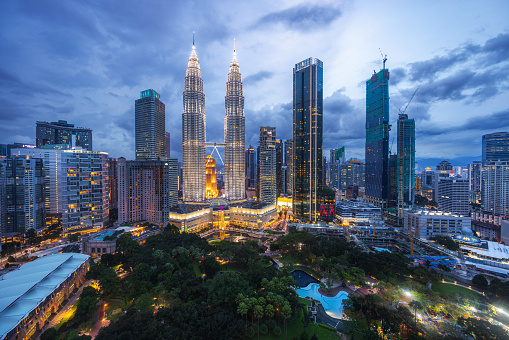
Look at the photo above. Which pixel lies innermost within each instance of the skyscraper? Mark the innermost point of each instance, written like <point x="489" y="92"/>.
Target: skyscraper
<point x="62" y="132"/>
<point x="167" y="144"/>
<point x="149" y="115"/>
<point x="336" y="160"/>
<point x="250" y="167"/>
<point x="193" y="132"/>
<point x="234" y="134"/>
<point x="377" y="138"/>
<point x="474" y="177"/>
<point x="495" y="147"/>
<point x="495" y="187"/>
<point x="266" y="182"/>
<point x="406" y="162"/>
<point x="307" y="138"/>
<point x="112" y="171"/>
<point x="279" y="168"/>
<point x="289" y="165"/>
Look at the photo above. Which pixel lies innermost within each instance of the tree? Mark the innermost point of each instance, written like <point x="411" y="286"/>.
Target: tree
<point x="243" y="309"/>
<point x="269" y="311"/>
<point x="49" y="334"/>
<point x="144" y="303"/>
<point x="286" y="312"/>
<point x="11" y="259"/>
<point x="480" y="281"/>
<point x="109" y="282"/>
<point x="415" y="305"/>
<point x="482" y="329"/>
<point x="258" y="314"/>
<point x="87" y="303"/>
<point x="210" y="266"/>
<point x="74" y="237"/>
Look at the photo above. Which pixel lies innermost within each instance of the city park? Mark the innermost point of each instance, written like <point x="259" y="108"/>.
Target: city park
<point x="302" y="286"/>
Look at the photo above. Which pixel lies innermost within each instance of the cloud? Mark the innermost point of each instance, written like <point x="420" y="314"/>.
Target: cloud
<point x="302" y="17"/>
<point x="257" y="77"/>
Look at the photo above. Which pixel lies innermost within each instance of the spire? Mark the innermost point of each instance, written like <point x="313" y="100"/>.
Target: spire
<point x="234" y="60"/>
<point x="193" y="40"/>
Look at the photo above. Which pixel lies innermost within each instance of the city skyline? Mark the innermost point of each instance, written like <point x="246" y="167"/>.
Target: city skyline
<point x="93" y="83"/>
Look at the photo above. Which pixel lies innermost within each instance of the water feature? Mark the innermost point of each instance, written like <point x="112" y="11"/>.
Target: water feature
<point x="102" y="236"/>
<point x="303" y="278"/>
<point x="333" y="306"/>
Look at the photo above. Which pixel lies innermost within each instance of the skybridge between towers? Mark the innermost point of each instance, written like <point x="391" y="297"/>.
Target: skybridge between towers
<point x="215" y="146"/>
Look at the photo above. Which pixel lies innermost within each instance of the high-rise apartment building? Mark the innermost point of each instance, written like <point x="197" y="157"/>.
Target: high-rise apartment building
<point x="250" y="167"/>
<point x="193" y="132"/>
<point x="266" y="183"/>
<point x="112" y="169"/>
<point x="279" y="167"/>
<point x="149" y="114"/>
<point x="474" y="176"/>
<point x="452" y="195"/>
<point x="377" y="138"/>
<point x="307" y="138"/>
<point x="234" y="134"/>
<point x="406" y="162"/>
<point x="495" y="147"/>
<point x="495" y="187"/>
<point x="147" y="190"/>
<point x="22" y="181"/>
<point x="62" y="132"/>
<point x="167" y="144"/>
<point x="211" y="177"/>
<point x="289" y="165"/>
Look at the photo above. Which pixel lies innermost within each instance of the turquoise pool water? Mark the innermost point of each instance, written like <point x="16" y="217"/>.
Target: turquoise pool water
<point x="102" y="236"/>
<point x="332" y="305"/>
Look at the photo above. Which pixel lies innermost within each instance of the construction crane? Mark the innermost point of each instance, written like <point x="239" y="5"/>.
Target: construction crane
<point x="413" y="235"/>
<point x="384" y="58"/>
<point x="406" y="106"/>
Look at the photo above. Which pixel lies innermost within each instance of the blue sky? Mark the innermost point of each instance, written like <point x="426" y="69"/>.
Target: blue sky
<point x="87" y="61"/>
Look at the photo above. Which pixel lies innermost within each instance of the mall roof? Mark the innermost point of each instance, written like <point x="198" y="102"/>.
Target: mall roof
<point x="495" y="250"/>
<point x="23" y="289"/>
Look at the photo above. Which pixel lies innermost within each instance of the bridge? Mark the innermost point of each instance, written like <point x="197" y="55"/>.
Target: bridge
<point x="251" y="233"/>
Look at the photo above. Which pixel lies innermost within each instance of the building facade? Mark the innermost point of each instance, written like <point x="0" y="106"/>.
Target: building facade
<point x="147" y="190"/>
<point x="250" y="167"/>
<point x="62" y="132"/>
<point x="475" y="179"/>
<point x="406" y="161"/>
<point x="112" y="169"/>
<point x="193" y="132"/>
<point x="495" y="147"/>
<point x="234" y="134"/>
<point x="266" y="183"/>
<point x="149" y="114"/>
<point x="289" y="166"/>
<point x="435" y="223"/>
<point x="495" y="187"/>
<point x="211" y="177"/>
<point x="167" y="145"/>
<point x="377" y="138"/>
<point x="307" y="138"/>
<point x="452" y="195"/>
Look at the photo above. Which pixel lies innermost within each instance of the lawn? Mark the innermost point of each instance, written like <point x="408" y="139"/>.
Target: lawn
<point x="446" y="288"/>
<point x="67" y="316"/>
<point x="196" y="268"/>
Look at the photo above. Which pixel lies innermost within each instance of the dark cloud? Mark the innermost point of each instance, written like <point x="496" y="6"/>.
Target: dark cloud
<point x="302" y="17"/>
<point x="259" y="76"/>
<point x="428" y="69"/>
<point x="397" y="75"/>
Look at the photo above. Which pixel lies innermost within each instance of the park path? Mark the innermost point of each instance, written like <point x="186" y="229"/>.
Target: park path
<point x="100" y="321"/>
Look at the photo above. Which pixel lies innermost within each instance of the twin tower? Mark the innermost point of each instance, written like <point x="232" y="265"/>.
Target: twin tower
<point x="194" y="133"/>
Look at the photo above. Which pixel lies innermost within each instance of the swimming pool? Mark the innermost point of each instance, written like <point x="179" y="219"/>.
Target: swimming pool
<point x="332" y="305"/>
<point x="102" y="236"/>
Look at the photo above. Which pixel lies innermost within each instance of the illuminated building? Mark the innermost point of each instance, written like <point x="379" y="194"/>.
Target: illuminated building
<point x="289" y="165"/>
<point x="279" y="168"/>
<point x="62" y="132"/>
<point x="147" y="190"/>
<point x="250" y="168"/>
<point x="440" y="223"/>
<point x="234" y="134"/>
<point x="149" y="136"/>
<point x="211" y="177"/>
<point x="474" y="176"/>
<point x="193" y="132"/>
<point x="495" y="147"/>
<point x="112" y="167"/>
<point x="307" y="138"/>
<point x="167" y="144"/>
<point x="406" y="162"/>
<point x="495" y="193"/>
<point x="377" y="138"/>
<point x="266" y="183"/>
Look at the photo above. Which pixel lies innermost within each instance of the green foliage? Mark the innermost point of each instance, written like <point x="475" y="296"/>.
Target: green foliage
<point x="482" y="329"/>
<point x="144" y="303"/>
<point x="11" y="259"/>
<point x="446" y="242"/>
<point x="49" y="334"/>
<point x="210" y="266"/>
<point x="480" y="281"/>
<point x="87" y="304"/>
<point x="109" y="282"/>
<point x="276" y="331"/>
<point x="74" y="237"/>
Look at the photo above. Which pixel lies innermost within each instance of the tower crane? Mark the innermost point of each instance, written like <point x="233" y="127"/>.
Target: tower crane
<point x="384" y="58"/>
<point x="413" y="235"/>
<point x="406" y="106"/>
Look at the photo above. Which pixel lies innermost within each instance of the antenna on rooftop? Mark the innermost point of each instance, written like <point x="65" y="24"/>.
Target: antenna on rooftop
<point x="384" y="58"/>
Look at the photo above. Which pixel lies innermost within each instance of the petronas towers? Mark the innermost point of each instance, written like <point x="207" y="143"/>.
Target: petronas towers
<point x="194" y="133"/>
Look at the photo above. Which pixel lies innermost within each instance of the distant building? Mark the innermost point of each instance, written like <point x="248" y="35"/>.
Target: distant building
<point x="167" y="144"/>
<point x="495" y="187"/>
<point x="62" y="132"/>
<point x="279" y="168"/>
<point x="452" y="195"/>
<point x="307" y="138"/>
<point x="112" y="170"/>
<point x="435" y="223"/>
<point x="266" y="182"/>
<point x="289" y="166"/>
<point x="147" y="190"/>
<point x="149" y="113"/>
<point x="211" y="177"/>
<point x="336" y="160"/>
<point x="250" y="160"/>
<point x="475" y="179"/>
<point x="22" y="182"/>
<point x="406" y="161"/>
<point x="495" y="147"/>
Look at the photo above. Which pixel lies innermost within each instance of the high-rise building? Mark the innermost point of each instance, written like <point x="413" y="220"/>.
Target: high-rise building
<point x="279" y="168"/>
<point x="167" y="144"/>
<point x="112" y="169"/>
<point x="495" y="187"/>
<point x="336" y="160"/>
<point x="495" y="147"/>
<point x="234" y="134"/>
<point x="211" y="177"/>
<point x="250" y="159"/>
<point x="307" y="138"/>
<point x="193" y="132"/>
<point x="149" y="113"/>
<point x="452" y="195"/>
<point x="406" y="162"/>
<point x="266" y="183"/>
<point x="377" y="138"/>
<point x="22" y="194"/>
<point x="392" y="200"/>
<point x="147" y="190"/>
<point x="474" y="176"/>
<point x="325" y="171"/>
<point x="62" y="132"/>
<point x="289" y="165"/>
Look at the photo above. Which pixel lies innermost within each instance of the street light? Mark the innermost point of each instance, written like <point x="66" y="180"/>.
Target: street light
<point x="407" y="293"/>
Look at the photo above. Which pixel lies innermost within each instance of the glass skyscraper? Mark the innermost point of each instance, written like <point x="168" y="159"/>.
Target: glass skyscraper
<point x="307" y="138"/>
<point x="377" y="139"/>
<point x="62" y="132"/>
<point x="495" y="147"/>
<point x="149" y="132"/>
<point x="266" y="183"/>
<point x="406" y="161"/>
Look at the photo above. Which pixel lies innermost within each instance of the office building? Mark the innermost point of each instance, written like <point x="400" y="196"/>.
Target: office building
<point x="495" y="147"/>
<point x="377" y="138"/>
<point x="289" y="166"/>
<point x="211" y="177"/>
<point x="250" y="167"/>
<point x="406" y="161"/>
<point x="393" y="182"/>
<point x="279" y="168"/>
<point x="307" y="138"/>
<point x="474" y="177"/>
<point x="112" y="171"/>
<point x="193" y="132"/>
<point x="62" y="132"/>
<point x="147" y="190"/>
<point x="22" y="181"/>
<point x="452" y="195"/>
<point x="266" y="182"/>
<point x="336" y="160"/>
<point x="234" y="134"/>
<point x="495" y="187"/>
<point x="167" y="144"/>
<point x="435" y="223"/>
<point x="149" y="113"/>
